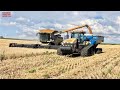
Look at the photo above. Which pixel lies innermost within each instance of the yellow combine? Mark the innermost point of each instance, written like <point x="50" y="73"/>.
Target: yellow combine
<point x="51" y="38"/>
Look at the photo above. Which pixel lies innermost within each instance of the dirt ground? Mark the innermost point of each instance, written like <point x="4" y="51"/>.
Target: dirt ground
<point x="27" y="63"/>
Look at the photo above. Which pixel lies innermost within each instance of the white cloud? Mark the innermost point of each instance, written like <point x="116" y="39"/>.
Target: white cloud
<point x="75" y="13"/>
<point x="12" y="23"/>
<point x="58" y="25"/>
<point x="23" y="19"/>
<point x="8" y="24"/>
<point x="118" y="20"/>
<point x="90" y="22"/>
<point x="22" y="36"/>
<point x="20" y="19"/>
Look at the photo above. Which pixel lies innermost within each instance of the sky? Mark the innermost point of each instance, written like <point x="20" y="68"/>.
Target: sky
<point x="25" y="24"/>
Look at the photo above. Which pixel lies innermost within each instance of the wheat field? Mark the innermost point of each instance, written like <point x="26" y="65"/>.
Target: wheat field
<point x="28" y="63"/>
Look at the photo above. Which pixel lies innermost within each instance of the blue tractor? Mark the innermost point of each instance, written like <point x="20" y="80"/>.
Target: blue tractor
<point x="80" y="43"/>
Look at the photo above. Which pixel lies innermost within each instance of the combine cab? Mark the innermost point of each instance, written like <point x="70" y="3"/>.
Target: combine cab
<point x="51" y="37"/>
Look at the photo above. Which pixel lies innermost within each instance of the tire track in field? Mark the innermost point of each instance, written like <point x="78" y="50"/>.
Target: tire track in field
<point x="54" y="66"/>
<point x="93" y="66"/>
<point x="63" y="66"/>
<point x="13" y="66"/>
<point x="104" y="71"/>
<point x="107" y="66"/>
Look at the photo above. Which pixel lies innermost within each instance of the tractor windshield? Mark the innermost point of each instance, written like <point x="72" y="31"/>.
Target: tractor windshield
<point x="79" y="36"/>
<point x="75" y="35"/>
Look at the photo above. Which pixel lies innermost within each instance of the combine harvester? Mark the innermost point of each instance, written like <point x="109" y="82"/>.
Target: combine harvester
<point x="80" y="43"/>
<point x="49" y="39"/>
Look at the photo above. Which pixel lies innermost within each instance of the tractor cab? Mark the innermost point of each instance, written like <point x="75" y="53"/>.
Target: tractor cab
<point x="79" y="36"/>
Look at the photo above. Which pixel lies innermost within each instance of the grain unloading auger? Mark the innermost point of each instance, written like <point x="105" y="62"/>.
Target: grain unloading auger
<point x="80" y="43"/>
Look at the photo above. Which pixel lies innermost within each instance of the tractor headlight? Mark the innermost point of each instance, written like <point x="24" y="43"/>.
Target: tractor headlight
<point x="62" y="43"/>
<point x="67" y="44"/>
<point x="73" y="45"/>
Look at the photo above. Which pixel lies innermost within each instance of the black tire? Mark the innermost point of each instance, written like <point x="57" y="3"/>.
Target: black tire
<point x="98" y="50"/>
